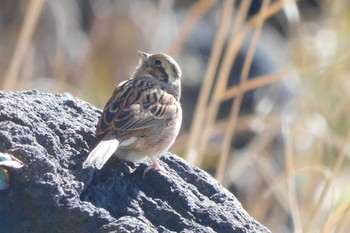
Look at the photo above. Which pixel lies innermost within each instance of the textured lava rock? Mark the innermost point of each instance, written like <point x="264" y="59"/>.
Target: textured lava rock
<point x="53" y="134"/>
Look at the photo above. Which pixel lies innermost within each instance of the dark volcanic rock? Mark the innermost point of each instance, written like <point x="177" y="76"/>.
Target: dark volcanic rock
<point x="52" y="135"/>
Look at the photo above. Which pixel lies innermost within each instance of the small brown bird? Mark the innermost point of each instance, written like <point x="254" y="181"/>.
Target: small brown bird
<point x="143" y="116"/>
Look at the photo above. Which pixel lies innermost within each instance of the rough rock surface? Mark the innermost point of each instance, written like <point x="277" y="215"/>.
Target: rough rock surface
<point x="52" y="135"/>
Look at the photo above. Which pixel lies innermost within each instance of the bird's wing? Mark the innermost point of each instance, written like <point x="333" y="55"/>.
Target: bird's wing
<point x="134" y="105"/>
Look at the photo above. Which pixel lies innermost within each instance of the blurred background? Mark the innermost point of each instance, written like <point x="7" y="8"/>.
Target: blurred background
<point x="265" y="93"/>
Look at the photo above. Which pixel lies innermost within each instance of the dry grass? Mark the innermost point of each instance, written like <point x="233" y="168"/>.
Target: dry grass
<point x="292" y="172"/>
<point x="29" y="23"/>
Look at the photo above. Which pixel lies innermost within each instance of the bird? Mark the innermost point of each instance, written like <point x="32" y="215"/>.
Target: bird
<point x="143" y="116"/>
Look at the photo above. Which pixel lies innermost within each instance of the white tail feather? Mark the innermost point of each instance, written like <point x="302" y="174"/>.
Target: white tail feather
<point x="102" y="152"/>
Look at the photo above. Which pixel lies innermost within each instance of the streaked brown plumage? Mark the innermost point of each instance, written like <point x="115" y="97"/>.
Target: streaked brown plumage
<point x="143" y="116"/>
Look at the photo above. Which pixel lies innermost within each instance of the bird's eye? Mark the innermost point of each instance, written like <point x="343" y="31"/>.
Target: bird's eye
<point x="157" y="62"/>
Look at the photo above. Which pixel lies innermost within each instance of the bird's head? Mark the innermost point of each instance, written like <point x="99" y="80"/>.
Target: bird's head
<point x="160" y="66"/>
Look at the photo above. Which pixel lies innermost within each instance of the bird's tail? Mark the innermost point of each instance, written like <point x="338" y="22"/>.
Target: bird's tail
<point x="102" y="152"/>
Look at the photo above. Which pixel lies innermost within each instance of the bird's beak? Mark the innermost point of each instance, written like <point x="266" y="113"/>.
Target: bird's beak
<point x="144" y="56"/>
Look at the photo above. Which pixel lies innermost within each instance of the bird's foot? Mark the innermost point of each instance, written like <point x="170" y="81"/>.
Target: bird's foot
<point x="155" y="165"/>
